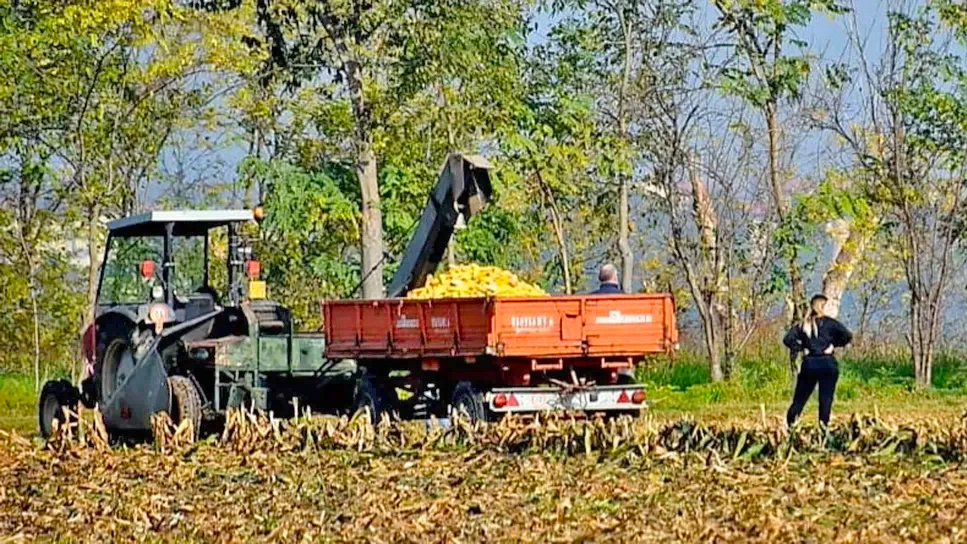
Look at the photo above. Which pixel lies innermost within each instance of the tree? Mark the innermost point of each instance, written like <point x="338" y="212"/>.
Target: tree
<point x="763" y="31"/>
<point x="923" y="177"/>
<point x="909" y="146"/>
<point x="134" y="72"/>
<point x="367" y="60"/>
<point x="310" y="227"/>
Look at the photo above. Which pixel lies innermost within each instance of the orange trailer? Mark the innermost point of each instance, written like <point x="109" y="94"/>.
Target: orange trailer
<point x="490" y="356"/>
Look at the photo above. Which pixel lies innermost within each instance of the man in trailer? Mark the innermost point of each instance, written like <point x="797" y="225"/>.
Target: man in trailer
<point x="608" y="278"/>
<point x="608" y="285"/>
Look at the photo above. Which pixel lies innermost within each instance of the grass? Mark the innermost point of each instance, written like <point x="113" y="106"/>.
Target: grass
<point x="867" y="383"/>
<point x="17" y="402"/>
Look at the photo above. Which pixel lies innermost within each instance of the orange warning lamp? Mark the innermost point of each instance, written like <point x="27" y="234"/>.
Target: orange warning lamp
<point x="147" y="269"/>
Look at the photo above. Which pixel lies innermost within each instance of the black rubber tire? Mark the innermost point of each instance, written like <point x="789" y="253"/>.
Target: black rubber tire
<point x="470" y="402"/>
<point x="371" y="395"/>
<point x="626" y="379"/>
<point x="185" y="402"/>
<point x="110" y="328"/>
<point x="55" y="396"/>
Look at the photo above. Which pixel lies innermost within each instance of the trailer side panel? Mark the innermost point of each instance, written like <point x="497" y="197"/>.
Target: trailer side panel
<point x="537" y="328"/>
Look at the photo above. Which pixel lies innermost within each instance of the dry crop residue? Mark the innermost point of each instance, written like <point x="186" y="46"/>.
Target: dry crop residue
<point x="349" y="484"/>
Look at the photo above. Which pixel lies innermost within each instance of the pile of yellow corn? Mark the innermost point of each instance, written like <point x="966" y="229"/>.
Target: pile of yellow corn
<point x="470" y="281"/>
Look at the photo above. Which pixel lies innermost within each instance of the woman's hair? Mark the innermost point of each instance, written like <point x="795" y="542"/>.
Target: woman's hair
<point x="816" y="306"/>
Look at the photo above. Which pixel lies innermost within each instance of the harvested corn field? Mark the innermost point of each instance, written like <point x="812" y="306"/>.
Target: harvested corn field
<point x="559" y="480"/>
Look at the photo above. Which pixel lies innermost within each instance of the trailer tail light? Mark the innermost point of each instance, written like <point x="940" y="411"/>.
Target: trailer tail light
<point x="638" y="397"/>
<point x="505" y="400"/>
<point x="258" y="213"/>
<point x="147" y="269"/>
<point x="252" y="269"/>
<point x="623" y="398"/>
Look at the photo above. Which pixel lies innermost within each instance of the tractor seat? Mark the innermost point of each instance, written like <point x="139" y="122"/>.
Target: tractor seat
<point x="197" y="305"/>
<point x="271" y="317"/>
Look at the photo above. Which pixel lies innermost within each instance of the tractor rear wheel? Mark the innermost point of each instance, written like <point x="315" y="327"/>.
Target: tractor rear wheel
<point x="469" y="402"/>
<point x="54" y="398"/>
<point x="185" y="402"/>
<point x="117" y="365"/>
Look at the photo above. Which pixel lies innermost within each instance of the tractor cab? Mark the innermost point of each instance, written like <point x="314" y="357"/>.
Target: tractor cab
<point x="173" y="286"/>
<point x="165" y="257"/>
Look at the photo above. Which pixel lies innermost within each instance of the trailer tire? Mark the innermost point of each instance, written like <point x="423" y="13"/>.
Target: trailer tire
<point x="469" y="402"/>
<point x="185" y="402"/>
<point x="369" y="395"/>
<point x="54" y="397"/>
<point x="626" y="378"/>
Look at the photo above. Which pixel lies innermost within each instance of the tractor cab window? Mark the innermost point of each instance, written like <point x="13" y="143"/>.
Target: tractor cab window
<point x="188" y="255"/>
<point x="133" y="267"/>
<point x="124" y="279"/>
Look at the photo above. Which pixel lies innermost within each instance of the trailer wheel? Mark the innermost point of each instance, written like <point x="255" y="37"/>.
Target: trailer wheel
<point x="54" y="397"/>
<point x="369" y="395"/>
<point x="626" y="378"/>
<point x="185" y="402"/>
<point x="469" y="402"/>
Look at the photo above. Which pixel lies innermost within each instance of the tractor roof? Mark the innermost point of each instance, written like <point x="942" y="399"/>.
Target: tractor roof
<point x="186" y="222"/>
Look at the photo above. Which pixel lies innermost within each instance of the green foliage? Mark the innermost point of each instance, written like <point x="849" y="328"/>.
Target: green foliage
<point x="762" y="29"/>
<point x="17" y="402"/>
<point x="685" y="384"/>
<point x="308" y="238"/>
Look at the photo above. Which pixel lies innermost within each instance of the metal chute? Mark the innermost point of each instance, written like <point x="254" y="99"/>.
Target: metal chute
<point x="462" y="190"/>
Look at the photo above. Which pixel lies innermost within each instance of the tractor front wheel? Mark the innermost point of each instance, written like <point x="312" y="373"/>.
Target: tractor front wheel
<point x="55" y="397"/>
<point x="185" y="402"/>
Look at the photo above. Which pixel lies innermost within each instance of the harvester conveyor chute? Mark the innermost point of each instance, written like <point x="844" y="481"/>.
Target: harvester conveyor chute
<point x="463" y="188"/>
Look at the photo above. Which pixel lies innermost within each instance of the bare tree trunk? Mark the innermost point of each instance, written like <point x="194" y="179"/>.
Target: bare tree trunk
<point x="562" y="249"/>
<point x="451" y="147"/>
<point x="796" y="299"/>
<point x="728" y="319"/>
<point x="624" y="245"/>
<point x="711" y="269"/>
<point x="548" y="197"/>
<point x="451" y="256"/>
<point x="35" y="312"/>
<point x="36" y="318"/>
<point x="864" y="318"/>
<point x="93" y="256"/>
<point x="922" y="360"/>
<point x="372" y="223"/>
<point x="710" y="328"/>
<point x="849" y="242"/>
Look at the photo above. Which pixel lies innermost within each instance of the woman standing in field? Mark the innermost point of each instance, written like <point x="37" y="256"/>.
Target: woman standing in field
<point x="816" y="336"/>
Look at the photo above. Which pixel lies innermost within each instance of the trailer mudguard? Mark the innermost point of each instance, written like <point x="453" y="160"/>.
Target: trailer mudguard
<point x="143" y="394"/>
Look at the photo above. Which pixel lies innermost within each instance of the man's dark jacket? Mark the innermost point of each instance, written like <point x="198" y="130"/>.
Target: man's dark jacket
<point x="607" y="289"/>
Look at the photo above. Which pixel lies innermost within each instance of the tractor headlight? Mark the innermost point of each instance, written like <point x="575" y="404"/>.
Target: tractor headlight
<point x="160" y="313"/>
<point x="157" y="293"/>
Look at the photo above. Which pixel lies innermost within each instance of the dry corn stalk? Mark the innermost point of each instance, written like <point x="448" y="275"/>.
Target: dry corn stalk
<point x="248" y="432"/>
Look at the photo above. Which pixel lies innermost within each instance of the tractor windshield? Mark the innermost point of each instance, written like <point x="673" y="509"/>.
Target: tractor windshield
<point x="127" y="279"/>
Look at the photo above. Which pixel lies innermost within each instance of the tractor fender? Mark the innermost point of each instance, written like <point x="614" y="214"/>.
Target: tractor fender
<point x="115" y="313"/>
<point x="143" y="394"/>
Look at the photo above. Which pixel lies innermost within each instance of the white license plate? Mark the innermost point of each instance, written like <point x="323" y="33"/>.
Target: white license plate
<point x="602" y="398"/>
